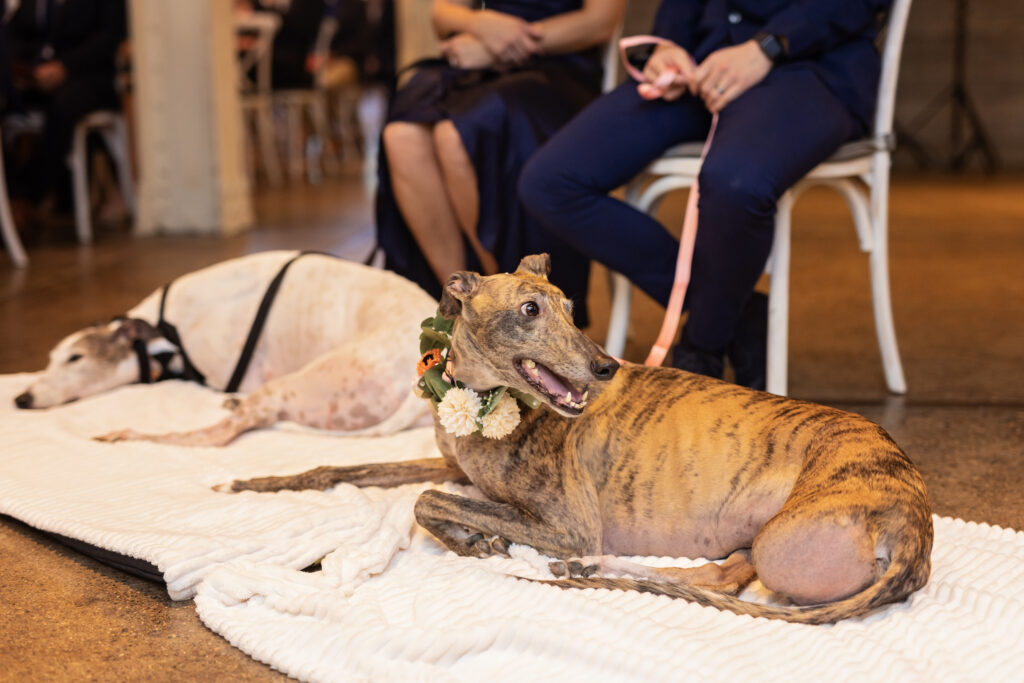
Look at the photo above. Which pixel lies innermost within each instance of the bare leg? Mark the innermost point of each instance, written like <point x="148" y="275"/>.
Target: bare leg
<point x="385" y="474"/>
<point x="461" y="185"/>
<point x="730" y="576"/>
<point x="420" y="192"/>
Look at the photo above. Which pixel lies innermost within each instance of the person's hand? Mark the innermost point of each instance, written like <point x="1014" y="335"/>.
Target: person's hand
<point x="668" y="61"/>
<point x="727" y="73"/>
<point x="466" y="51"/>
<point x="510" y="39"/>
<point x="49" y="75"/>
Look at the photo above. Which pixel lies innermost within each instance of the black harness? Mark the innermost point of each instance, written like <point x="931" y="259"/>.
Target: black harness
<point x="189" y="371"/>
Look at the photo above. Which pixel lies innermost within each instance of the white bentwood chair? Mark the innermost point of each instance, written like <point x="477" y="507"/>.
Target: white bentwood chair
<point x="111" y="127"/>
<point x="254" y="72"/>
<point x="313" y="102"/>
<point x="859" y="171"/>
<point x="8" y="229"/>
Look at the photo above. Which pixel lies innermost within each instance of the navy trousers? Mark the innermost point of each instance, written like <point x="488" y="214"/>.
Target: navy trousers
<point x="767" y="139"/>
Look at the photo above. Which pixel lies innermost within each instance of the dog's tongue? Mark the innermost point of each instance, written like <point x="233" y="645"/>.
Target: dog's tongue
<point x="555" y="384"/>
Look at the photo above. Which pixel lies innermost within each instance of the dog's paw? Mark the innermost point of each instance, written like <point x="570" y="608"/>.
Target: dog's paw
<point x="231" y="403"/>
<point x="573" y="568"/>
<point x="119" y="435"/>
<point x="478" y="545"/>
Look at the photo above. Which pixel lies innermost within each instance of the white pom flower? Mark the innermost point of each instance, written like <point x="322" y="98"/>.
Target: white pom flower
<point x="458" y="410"/>
<point x="502" y="420"/>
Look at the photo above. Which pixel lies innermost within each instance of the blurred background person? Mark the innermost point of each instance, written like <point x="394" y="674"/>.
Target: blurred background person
<point x="63" y="67"/>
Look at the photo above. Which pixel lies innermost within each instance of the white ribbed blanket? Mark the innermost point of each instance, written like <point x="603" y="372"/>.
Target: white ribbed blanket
<point x="390" y="604"/>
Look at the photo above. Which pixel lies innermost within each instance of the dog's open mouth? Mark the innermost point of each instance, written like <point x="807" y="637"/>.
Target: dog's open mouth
<point x="556" y="388"/>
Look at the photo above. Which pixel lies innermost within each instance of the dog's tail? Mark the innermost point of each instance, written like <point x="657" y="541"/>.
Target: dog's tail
<point x="907" y="572"/>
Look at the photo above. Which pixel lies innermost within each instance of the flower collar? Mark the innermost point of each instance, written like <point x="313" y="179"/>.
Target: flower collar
<point x="462" y="411"/>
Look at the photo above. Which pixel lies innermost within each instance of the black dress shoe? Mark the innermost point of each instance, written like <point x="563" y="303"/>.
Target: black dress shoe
<point x="686" y="356"/>
<point x="748" y="352"/>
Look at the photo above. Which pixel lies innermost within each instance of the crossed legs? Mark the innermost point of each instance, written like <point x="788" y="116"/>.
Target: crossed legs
<point x="435" y="187"/>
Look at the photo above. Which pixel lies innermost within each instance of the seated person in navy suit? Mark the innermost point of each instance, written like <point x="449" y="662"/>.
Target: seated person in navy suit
<point x="791" y="80"/>
<point x="63" y="63"/>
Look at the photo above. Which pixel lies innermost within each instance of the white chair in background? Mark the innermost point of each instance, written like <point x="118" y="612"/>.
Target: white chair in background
<point x="111" y="127"/>
<point x="313" y="103"/>
<point x="7" y="227"/>
<point x="859" y="171"/>
<point x="256" y="31"/>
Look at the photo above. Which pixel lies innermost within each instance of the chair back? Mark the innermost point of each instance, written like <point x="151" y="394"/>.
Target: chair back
<point x="892" y="48"/>
<point x="610" y="55"/>
<point x="256" y="31"/>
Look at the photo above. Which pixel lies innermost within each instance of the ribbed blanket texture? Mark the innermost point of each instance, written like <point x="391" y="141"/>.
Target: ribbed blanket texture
<point x="390" y="604"/>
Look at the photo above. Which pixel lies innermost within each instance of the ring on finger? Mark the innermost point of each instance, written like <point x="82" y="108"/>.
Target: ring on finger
<point x="720" y="89"/>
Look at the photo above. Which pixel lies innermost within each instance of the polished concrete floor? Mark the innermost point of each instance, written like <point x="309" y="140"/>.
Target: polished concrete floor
<point x="956" y="251"/>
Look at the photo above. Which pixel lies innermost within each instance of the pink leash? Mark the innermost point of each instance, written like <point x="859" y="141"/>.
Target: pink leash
<point x="689" y="236"/>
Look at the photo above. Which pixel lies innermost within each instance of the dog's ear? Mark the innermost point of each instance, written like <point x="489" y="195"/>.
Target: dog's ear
<point x="462" y="285"/>
<point x="535" y="264"/>
<point x="131" y="329"/>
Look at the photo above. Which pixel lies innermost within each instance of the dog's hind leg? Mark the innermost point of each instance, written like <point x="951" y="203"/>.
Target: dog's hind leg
<point x="220" y="433"/>
<point x="380" y="474"/>
<point x="354" y="389"/>
<point x="731" y="576"/>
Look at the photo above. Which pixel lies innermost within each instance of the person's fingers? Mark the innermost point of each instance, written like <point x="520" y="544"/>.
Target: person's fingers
<point x="674" y="92"/>
<point x="649" y="91"/>
<point x="652" y="69"/>
<point x="666" y="78"/>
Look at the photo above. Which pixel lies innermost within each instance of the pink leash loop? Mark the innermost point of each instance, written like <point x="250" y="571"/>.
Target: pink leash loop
<point x="689" y="236"/>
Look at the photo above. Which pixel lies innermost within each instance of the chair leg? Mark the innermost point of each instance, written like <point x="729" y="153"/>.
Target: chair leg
<point x="778" y="300"/>
<point x="116" y="139"/>
<point x="7" y="226"/>
<point x="618" y="315"/>
<point x="318" y="112"/>
<point x="268" y="143"/>
<point x="78" y="162"/>
<point x="296" y="148"/>
<point x="879" y="264"/>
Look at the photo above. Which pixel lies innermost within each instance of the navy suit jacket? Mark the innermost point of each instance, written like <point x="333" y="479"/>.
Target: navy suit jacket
<point x="833" y="37"/>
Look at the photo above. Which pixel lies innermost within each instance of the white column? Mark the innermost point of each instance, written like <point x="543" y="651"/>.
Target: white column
<point x="190" y="142"/>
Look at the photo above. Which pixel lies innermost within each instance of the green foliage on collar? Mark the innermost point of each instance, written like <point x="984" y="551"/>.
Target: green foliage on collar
<point x="435" y="336"/>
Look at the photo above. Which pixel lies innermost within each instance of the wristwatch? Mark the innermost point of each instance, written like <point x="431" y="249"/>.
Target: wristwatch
<point x="774" y="47"/>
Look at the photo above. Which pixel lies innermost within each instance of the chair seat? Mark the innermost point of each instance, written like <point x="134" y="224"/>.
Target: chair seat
<point x="850" y="159"/>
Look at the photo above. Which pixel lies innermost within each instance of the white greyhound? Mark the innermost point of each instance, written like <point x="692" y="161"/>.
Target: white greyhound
<point x="334" y="352"/>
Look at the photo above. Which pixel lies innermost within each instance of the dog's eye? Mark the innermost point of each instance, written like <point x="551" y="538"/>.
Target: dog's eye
<point x="74" y="357"/>
<point x="530" y="308"/>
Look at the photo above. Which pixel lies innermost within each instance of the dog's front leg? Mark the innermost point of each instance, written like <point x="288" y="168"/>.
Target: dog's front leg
<point x="384" y="474"/>
<point x="458" y="523"/>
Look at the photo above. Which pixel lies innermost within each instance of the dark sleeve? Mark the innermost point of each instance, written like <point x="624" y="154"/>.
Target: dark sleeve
<point x="96" y="53"/>
<point x="815" y="26"/>
<point x="678" y="21"/>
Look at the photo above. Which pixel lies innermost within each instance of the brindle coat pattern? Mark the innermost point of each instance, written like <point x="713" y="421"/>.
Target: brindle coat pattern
<point x="663" y="462"/>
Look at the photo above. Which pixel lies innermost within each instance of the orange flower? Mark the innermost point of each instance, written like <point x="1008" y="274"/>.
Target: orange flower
<point x="428" y="360"/>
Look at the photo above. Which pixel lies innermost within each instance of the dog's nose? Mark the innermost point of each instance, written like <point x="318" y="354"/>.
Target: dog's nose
<point x="23" y="400"/>
<point x="604" y="367"/>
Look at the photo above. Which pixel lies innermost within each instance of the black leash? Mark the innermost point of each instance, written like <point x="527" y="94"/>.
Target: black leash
<point x="190" y="371"/>
<point x="257" y="324"/>
<point x="170" y="333"/>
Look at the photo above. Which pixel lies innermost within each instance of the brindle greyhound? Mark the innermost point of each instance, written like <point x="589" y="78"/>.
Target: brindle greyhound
<point x="819" y="503"/>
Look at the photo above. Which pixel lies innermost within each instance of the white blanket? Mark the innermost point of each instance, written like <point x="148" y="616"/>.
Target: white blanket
<point x="391" y="604"/>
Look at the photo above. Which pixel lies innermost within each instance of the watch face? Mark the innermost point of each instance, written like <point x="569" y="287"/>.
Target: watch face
<point x="770" y="46"/>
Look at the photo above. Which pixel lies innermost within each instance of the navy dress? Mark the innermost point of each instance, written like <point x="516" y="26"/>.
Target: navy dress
<point x="502" y="118"/>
